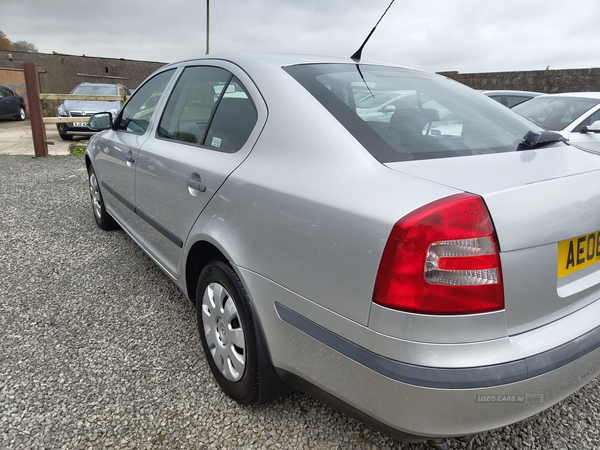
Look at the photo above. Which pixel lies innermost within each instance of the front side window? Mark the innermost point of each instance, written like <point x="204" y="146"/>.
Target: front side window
<point x="402" y="114"/>
<point x="587" y="122"/>
<point x="555" y="113"/>
<point x="136" y="115"/>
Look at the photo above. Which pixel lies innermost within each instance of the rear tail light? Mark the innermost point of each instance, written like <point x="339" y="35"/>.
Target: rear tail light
<point x="442" y="258"/>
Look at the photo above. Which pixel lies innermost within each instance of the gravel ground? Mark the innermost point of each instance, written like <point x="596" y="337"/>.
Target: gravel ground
<point x="99" y="349"/>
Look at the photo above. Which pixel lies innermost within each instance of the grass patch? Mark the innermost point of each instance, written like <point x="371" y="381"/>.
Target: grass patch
<point x="78" y="150"/>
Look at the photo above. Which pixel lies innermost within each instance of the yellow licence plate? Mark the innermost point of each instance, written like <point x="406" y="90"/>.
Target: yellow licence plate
<point x="578" y="253"/>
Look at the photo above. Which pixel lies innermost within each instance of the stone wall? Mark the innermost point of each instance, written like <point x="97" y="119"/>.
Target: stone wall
<point x="59" y="74"/>
<point x="546" y="81"/>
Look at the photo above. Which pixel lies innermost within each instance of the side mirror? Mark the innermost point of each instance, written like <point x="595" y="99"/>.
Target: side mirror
<point x="389" y="108"/>
<point x="100" y="121"/>
<point x="593" y="128"/>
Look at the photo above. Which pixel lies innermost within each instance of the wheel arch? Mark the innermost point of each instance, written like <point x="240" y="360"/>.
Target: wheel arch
<point x="200" y="254"/>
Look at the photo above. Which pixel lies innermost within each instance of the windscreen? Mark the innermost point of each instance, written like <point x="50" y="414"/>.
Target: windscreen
<point x="403" y="114"/>
<point x="95" y="90"/>
<point x="555" y="113"/>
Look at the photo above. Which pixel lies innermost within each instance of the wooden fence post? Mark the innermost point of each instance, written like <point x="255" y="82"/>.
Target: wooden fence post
<point x="38" y="129"/>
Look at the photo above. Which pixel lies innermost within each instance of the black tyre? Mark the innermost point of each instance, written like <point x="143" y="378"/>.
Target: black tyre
<point x="227" y="332"/>
<point x="65" y="137"/>
<point x="103" y="219"/>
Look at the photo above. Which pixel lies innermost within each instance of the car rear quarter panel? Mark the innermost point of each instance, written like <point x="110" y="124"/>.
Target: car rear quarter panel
<point x="309" y="208"/>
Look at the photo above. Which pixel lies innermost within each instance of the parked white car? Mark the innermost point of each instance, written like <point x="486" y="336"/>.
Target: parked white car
<point x="574" y="115"/>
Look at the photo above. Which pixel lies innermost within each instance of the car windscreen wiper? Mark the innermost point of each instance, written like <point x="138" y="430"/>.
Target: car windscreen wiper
<point x="537" y="139"/>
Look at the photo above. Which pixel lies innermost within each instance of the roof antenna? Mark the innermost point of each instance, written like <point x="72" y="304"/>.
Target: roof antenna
<point x="357" y="55"/>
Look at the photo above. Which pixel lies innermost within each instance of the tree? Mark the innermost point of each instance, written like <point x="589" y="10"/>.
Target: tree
<point x="5" y="43"/>
<point x="24" y="46"/>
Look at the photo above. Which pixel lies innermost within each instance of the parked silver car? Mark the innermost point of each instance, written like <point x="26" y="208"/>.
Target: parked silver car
<point x="85" y="108"/>
<point x="432" y="276"/>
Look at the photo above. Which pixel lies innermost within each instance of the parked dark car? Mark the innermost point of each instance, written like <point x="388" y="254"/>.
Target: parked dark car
<point x="85" y="108"/>
<point x="11" y="104"/>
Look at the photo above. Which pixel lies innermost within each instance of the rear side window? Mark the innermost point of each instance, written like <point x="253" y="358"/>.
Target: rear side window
<point x="402" y="114"/>
<point x="191" y="104"/>
<point x="514" y="100"/>
<point x="209" y="107"/>
<point x="138" y="111"/>
<point x="233" y="121"/>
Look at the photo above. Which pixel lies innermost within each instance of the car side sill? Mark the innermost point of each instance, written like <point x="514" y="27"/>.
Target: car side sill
<point x="447" y="378"/>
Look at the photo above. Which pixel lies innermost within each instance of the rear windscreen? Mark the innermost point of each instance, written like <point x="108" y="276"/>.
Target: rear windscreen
<point x="403" y="114"/>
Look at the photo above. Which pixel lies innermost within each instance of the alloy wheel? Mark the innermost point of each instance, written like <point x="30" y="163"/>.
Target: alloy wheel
<point x="95" y="194"/>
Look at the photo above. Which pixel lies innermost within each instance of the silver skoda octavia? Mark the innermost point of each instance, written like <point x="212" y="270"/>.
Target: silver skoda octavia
<point x="383" y="238"/>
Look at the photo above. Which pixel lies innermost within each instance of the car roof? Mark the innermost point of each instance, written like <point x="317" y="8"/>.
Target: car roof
<point x="86" y="83"/>
<point x="283" y="59"/>
<point x="594" y="95"/>
<point x="511" y="92"/>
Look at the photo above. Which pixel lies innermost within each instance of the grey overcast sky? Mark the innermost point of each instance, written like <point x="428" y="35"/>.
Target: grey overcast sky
<point x="435" y="35"/>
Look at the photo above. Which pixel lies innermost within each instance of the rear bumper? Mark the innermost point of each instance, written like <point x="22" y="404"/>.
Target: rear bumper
<point x="437" y="402"/>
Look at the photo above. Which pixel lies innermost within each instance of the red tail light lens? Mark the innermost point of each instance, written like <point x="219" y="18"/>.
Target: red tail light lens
<point x="442" y="258"/>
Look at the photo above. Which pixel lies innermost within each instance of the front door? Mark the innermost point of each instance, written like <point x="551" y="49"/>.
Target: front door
<point x="118" y="149"/>
<point x="207" y="129"/>
<point x="4" y="103"/>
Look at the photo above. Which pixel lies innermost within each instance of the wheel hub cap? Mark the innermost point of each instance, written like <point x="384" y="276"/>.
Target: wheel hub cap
<point x="223" y="331"/>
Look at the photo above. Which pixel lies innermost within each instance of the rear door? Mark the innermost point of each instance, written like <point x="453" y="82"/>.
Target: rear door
<point x="209" y="125"/>
<point x="118" y="148"/>
<point x="3" y="104"/>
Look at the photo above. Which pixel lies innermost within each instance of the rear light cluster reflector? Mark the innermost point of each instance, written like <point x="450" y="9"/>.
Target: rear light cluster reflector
<point x="464" y="262"/>
<point x="442" y="258"/>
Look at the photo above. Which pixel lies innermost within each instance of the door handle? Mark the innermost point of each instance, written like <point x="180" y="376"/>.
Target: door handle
<point x="130" y="159"/>
<point x="196" y="184"/>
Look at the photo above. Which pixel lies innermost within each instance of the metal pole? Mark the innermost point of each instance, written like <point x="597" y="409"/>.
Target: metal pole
<point x="38" y="130"/>
<point x="207" y="17"/>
